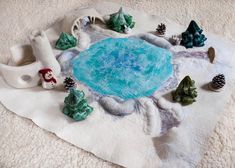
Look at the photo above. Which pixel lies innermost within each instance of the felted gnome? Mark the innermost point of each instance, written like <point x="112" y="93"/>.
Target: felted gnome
<point x="47" y="77"/>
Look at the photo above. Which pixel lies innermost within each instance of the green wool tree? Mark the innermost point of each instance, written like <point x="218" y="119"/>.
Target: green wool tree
<point x="185" y="92"/>
<point x="193" y="36"/>
<point x="65" y="41"/>
<point x="76" y="105"/>
<point x="118" y="21"/>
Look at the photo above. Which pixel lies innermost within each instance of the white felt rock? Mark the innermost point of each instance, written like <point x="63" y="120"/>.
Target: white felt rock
<point x="174" y="108"/>
<point x="116" y="106"/>
<point x="155" y="40"/>
<point x="21" y="76"/>
<point x="154" y="123"/>
<point x="43" y="52"/>
<point x="83" y="40"/>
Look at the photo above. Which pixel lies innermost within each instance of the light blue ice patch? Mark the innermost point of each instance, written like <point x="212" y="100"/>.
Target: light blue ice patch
<point x="123" y="67"/>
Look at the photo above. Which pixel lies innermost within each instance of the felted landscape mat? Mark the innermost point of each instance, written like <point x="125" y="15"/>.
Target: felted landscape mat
<point x="121" y="140"/>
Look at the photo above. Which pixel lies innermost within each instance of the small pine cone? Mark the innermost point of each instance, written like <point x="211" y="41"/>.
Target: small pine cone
<point x="218" y="81"/>
<point x="69" y="83"/>
<point x="161" y="29"/>
<point x="175" y="40"/>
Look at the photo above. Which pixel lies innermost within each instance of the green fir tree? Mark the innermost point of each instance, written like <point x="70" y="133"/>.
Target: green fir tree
<point x="185" y="92"/>
<point x="76" y="105"/>
<point x="65" y="41"/>
<point x="193" y="36"/>
<point x="118" y="21"/>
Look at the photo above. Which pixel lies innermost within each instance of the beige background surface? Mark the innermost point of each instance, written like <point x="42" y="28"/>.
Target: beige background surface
<point x="23" y="144"/>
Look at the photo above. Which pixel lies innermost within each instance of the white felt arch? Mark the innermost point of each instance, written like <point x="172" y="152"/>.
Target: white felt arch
<point x="71" y="22"/>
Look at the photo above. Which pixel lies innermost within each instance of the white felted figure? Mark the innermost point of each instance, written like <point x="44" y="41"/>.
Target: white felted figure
<point x="47" y="78"/>
<point x="127" y="30"/>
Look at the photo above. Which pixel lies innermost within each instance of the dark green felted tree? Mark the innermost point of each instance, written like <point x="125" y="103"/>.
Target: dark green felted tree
<point x="76" y="105"/>
<point x="185" y="92"/>
<point x="65" y="41"/>
<point x="193" y="36"/>
<point x="118" y="21"/>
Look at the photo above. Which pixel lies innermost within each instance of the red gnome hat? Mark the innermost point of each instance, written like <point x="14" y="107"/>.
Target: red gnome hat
<point x="43" y="72"/>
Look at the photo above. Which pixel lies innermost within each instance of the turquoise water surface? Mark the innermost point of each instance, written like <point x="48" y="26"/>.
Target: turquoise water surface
<point x="123" y="67"/>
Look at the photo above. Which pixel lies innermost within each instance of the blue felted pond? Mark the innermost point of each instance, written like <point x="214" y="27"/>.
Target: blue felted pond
<point x="123" y="67"/>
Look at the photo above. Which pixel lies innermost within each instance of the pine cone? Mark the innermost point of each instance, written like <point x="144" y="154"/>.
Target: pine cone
<point x="161" y="29"/>
<point x="69" y="83"/>
<point x="218" y="81"/>
<point x="175" y="40"/>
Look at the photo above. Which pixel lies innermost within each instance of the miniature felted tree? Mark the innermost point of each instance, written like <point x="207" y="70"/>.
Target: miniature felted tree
<point x="65" y="41"/>
<point x="185" y="92"/>
<point x="193" y="36"/>
<point x="76" y="105"/>
<point x="119" y="21"/>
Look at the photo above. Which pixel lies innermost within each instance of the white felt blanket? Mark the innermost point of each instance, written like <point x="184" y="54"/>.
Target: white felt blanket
<point x="122" y="140"/>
